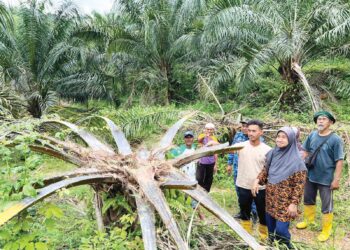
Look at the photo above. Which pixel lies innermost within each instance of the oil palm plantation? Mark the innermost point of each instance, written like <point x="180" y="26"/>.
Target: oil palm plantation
<point x="283" y="34"/>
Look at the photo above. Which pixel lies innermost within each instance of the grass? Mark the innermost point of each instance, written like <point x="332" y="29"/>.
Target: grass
<point x="326" y="64"/>
<point x="51" y="166"/>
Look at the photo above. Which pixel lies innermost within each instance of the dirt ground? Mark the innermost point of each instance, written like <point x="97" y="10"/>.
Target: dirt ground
<point x="304" y="239"/>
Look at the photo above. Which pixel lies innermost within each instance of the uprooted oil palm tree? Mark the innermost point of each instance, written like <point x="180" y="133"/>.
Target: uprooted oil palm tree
<point x="141" y="175"/>
<point x="283" y="34"/>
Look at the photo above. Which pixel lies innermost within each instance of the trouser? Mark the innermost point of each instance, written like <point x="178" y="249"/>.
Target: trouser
<point x="204" y="175"/>
<point x="190" y="171"/>
<point x="278" y="230"/>
<point x="236" y="188"/>
<point x="326" y="195"/>
<point x="245" y="200"/>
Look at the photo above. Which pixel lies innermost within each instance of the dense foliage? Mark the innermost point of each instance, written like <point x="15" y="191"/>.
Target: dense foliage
<point x="142" y="64"/>
<point x="162" y="52"/>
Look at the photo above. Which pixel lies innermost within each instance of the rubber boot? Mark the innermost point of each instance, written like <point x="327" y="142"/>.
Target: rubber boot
<point x="247" y="225"/>
<point x="263" y="232"/>
<point x="309" y="216"/>
<point x="327" y="222"/>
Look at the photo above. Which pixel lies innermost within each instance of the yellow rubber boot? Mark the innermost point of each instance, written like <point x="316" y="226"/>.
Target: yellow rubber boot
<point x="263" y="232"/>
<point x="309" y="216"/>
<point x="247" y="225"/>
<point x="327" y="222"/>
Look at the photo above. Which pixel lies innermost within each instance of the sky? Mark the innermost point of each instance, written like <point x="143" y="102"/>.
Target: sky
<point x="86" y="6"/>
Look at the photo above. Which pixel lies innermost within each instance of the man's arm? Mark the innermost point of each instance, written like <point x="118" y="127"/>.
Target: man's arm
<point x="339" y="158"/>
<point x="216" y="163"/>
<point x="337" y="175"/>
<point x="306" y="147"/>
<point x="230" y="159"/>
<point x="231" y="155"/>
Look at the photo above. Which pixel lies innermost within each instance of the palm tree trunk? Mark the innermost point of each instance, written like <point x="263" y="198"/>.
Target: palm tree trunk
<point x="214" y="96"/>
<point x="315" y="103"/>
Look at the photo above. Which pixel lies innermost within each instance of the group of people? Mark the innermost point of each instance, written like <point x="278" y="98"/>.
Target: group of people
<point x="271" y="182"/>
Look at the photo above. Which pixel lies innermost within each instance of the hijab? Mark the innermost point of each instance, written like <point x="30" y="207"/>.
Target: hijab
<point x="284" y="162"/>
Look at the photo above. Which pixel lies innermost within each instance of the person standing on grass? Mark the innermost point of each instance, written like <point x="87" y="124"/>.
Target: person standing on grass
<point x="284" y="176"/>
<point x="186" y="148"/>
<point x="326" y="148"/>
<point x="232" y="161"/>
<point x="207" y="165"/>
<point x="251" y="160"/>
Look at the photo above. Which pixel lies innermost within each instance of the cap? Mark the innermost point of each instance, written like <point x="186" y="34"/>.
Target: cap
<point x="324" y="113"/>
<point x="210" y="125"/>
<point x="188" y="133"/>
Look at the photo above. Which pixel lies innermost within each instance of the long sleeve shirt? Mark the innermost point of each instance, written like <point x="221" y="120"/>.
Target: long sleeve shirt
<point x="233" y="157"/>
<point x="279" y="196"/>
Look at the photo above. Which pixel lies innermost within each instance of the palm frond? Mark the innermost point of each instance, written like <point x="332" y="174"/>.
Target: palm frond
<point x="6" y="20"/>
<point x="13" y="210"/>
<point x="10" y="103"/>
<point x="340" y="86"/>
<point x="147" y="221"/>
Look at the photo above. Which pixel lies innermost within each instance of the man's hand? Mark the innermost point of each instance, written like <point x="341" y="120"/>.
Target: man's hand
<point x="215" y="168"/>
<point x="255" y="188"/>
<point x="229" y="169"/>
<point x="335" y="184"/>
<point x="304" y="154"/>
<point x="292" y="210"/>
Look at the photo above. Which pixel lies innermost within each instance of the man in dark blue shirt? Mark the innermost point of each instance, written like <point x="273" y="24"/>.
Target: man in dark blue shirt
<point x="325" y="174"/>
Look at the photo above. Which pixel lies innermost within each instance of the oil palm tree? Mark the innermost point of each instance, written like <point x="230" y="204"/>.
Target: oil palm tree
<point x="149" y="35"/>
<point x="284" y="34"/>
<point x="42" y="52"/>
<point x="5" y="17"/>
